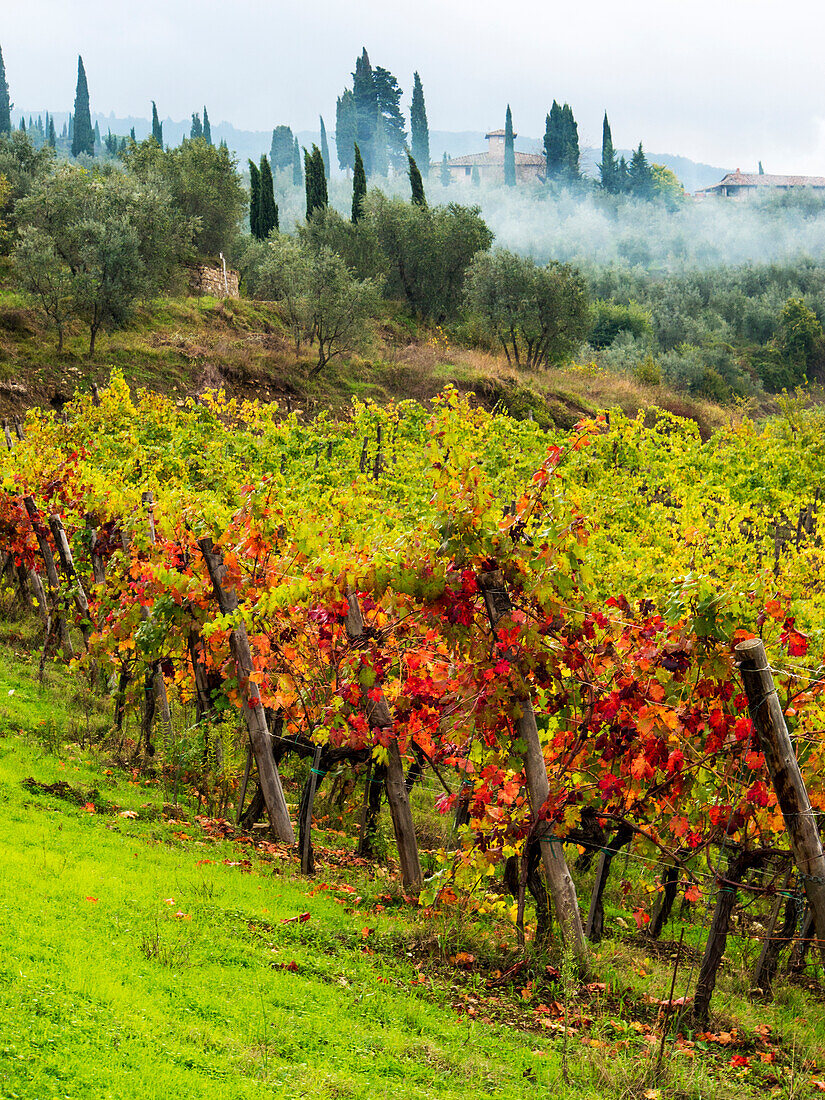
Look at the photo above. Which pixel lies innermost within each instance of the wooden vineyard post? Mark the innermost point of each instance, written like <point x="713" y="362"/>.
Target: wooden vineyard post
<point x="305" y="829"/>
<point x="156" y="695"/>
<point x="379" y="717"/>
<point x="64" y="552"/>
<point x="499" y="606"/>
<point x="270" y="780"/>
<point x="775" y="742"/>
<point x="51" y="575"/>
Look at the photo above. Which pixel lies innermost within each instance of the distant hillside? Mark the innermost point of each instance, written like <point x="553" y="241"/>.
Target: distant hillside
<point x="456" y="143"/>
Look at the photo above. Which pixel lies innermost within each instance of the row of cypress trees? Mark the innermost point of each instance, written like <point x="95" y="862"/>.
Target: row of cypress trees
<point x="369" y="115"/>
<point x="617" y="176"/>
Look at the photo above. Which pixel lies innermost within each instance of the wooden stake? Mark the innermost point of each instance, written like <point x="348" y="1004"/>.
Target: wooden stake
<point x="791" y="794"/>
<point x="499" y="606"/>
<point x="51" y="575"/>
<point x="253" y="710"/>
<point x="64" y="552"/>
<point x="765" y="968"/>
<point x="307" y="862"/>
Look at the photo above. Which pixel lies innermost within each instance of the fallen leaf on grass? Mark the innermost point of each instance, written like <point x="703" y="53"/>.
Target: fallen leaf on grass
<point x="128" y="813"/>
<point x="740" y="1061"/>
<point x="182" y="916"/>
<point x="299" y="919"/>
<point x="92" y="900"/>
<point x="90" y="808"/>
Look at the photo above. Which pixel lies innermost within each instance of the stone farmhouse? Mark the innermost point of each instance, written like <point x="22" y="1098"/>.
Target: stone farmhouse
<point x="490" y="165"/>
<point x="744" y="186"/>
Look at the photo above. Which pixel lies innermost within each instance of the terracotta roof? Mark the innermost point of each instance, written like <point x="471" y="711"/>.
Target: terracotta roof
<point x="497" y="133"/>
<point x="483" y="160"/>
<point x="748" y="179"/>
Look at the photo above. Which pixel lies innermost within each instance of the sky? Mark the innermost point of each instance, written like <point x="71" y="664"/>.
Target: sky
<point x="728" y="82"/>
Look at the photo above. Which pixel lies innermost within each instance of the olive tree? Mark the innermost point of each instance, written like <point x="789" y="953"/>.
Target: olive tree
<point x="93" y="244"/>
<point x="204" y="183"/>
<point x="428" y="250"/>
<point x="539" y="315"/>
<point x="322" y="303"/>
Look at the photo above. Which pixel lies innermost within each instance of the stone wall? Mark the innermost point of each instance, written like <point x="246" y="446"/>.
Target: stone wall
<point x="207" y="280"/>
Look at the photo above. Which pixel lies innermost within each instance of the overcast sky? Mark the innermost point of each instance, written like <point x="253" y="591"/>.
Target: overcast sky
<point x="726" y="82"/>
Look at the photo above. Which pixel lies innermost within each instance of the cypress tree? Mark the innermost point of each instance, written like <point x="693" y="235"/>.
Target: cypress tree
<point x="83" y="138"/>
<point x="71" y="127"/>
<point x="509" y="150"/>
<point x="609" y="168"/>
<point x="196" y="130"/>
<point x="157" y="125"/>
<point x="761" y="169"/>
<point x="366" y="109"/>
<point x="207" y="129"/>
<point x="269" y="211"/>
<point x="297" y="174"/>
<point x="419" y="128"/>
<point x="445" y="171"/>
<point x="52" y="136"/>
<point x="622" y="177"/>
<point x="255" y="201"/>
<point x="97" y="133"/>
<point x="388" y="94"/>
<point x="639" y="176"/>
<point x="416" y="183"/>
<point x="132" y="135"/>
<point x="315" y="181"/>
<point x="5" y="102"/>
<point x="359" y="184"/>
<point x="346" y="130"/>
<point x="324" y="147"/>
<point x="280" y="150"/>
<point x="553" y="142"/>
<point x="570" y="142"/>
<point x="22" y="124"/>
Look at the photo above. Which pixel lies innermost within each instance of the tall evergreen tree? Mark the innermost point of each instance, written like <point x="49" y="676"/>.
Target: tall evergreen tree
<point x="269" y="210"/>
<point x="622" y="177"/>
<point x="761" y="169"/>
<point x="359" y="184"/>
<point x="51" y="137"/>
<point x="446" y="177"/>
<point x="5" y="102"/>
<point x="416" y="183"/>
<point x="71" y="127"/>
<point x="132" y="135"/>
<point x="419" y="128"/>
<point x="639" y="175"/>
<point x="554" y="142"/>
<point x="315" y="181"/>
<point x="297" y="174"/>
<point x="509" y="150"/>
<point x="83" y="136"/>
<point x="207" y="129"/>
<point x="196" y="130"/>
<point x="96" y="131"/>
<point x="608" y="168"/>
<point x="346" y="130"/>
<point x="325" y="147"/>
<point x="255" y="201"/>
<point x="157" y="125"/>
<point x="388" y="95"/>
<point x="23" y="124"/>
<point x="572" y="154"/>
<point x="281" y="150"/>
<point x="366" y="109"/>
